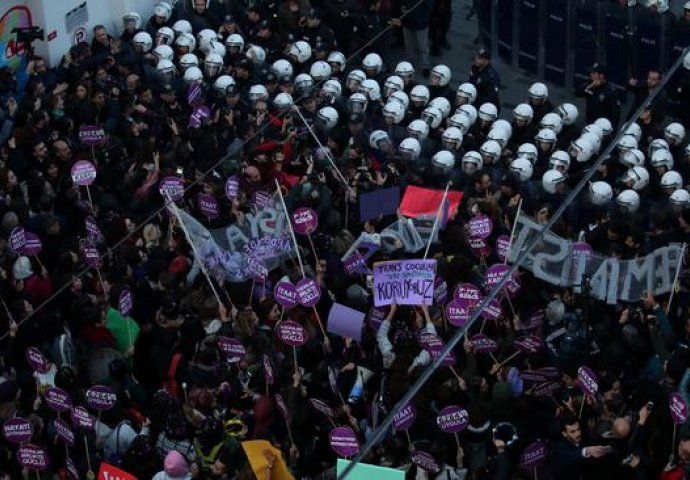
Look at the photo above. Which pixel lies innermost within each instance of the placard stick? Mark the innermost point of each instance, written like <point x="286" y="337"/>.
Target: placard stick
<point x="512" y="231"/>
<point x="318" y="319"/>
<point x="251" y="292"/>
<point x="292" y="232"/>
<point x="675" y="278"/>
<point x="673" y="439"/>
<point x="86" y="449"/>
<point x="438" y="214"/>
<point x="287" y="424"/>
<point x="409" y="440"/>
<point x="503" y="362"/>
<point x="582" y="406"/>
<point x="455" y="373"/>
<point x="294" y="356"/>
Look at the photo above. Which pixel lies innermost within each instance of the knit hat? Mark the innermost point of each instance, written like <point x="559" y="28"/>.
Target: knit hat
<point x="176" y="466"/>
<point x="21" y="270"/>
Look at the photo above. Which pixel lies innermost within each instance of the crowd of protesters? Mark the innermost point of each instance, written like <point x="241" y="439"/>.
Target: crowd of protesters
<point x="298" y="92"/>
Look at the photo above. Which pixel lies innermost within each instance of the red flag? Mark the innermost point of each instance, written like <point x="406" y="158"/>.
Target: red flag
<point x="109" y="472"/>
<point x="425" y="201"/>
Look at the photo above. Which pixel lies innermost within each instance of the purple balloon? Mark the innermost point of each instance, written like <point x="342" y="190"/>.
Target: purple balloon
<point x="171" y="188"/>
<point x="479" y="247"/>
<point x="17" y="238"/>
<point x="425" y="461"/>
<point x="344" y="441"/>
<point x="33" y="457"/>
<point x="263" y="200"/>
<point x="533" y="456"/>
<point x="64" y="431"/>
<point x="91" y="135"/>
<point x="232" y="349"/>
<point x="587" y="380"/>
<point x="528" y="344"/>
<point x="208" y="205"/>
<point x="285" y="294"/>
<point x="440" y="291"/>
<point x="456" y="314"/>
<point x="678" y="408"/>
<point x="83" y="173"/>
<point x="125" y="303"/>
<point x="18" y="430"/>
<point x="232" y="188"/>
<point x="100" y="397"/>
<point x="503" y="247"/>
<point x="321" y="407"/>
<point x="282" y="408"/>
<point x="405" y="417"/>
<point x="480" y="226"/>
<point x="38" y="362"/>
<point x="269" y="371"/>
<point x="308" y="292"/>
<point x="482" y="344"/>
<point x="452" y="419"/>
<point x="58" y="399"/>
<point x="305" y="220"/>
<point x="81" y="418"/>
<point x="33" y="245"/>
<point x="292" y="333"/>
<point x="492" y="310"/>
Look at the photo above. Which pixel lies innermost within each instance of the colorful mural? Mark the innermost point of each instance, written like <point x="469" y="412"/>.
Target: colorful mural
<point x="10" y="52"/>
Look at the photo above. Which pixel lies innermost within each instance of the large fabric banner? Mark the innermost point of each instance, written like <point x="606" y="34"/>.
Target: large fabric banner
<point x="558" y="261"/>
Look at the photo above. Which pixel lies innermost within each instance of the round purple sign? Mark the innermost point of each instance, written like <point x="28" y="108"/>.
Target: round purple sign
<point x="82" y="418"/>
<point x="533" y="456"/>
<point x="344" y="441"/>
<point x="292" y="333"/>
<point x="482" y="344"/>
<point x="199" y="115"/>
<point x="430" y="341"/>
<point x="64" y="431"/>
<point x="17" y="239"/>
<point x="492" y="310"/>
<point x="208" y="205"/>
<point x="495" y="273"/>
<point x="58" y="399"/>
<point x="33" y="245"/>
<point x="101" y="397"/>
<point x="678" y="408"/>
<point x="545" y="389"/>
<point x="83" y="173"/>
<point x="305" y="220"/>
<point x="285" y="294"/>
<point x="172" y="188"/>
<point x="36" y="359"/>
<point x="232" y="188"/>
<point x="405" y="417"/>
<point x="320" y="406"/>
<point x="452" y="419"/>
<point x="308" y="292"/>
<point x="232" y="348"/>
<point x="479" y="247"/>
<point x="125" y="303"/>
<point x="528" y="344"/>
<point x="480" y="226"/>
<point x="263" y="200"/>
<point x="467" y="295"/>
<point x="33" y="457"/>
<point x="92" y="256"/>
<point x="92" y="230"/>
<point x="502" y="247"/>
<point x="18" y="430"/>
<point x="456" y="314"/>
<point x="587" y="380"/>
<point x="425" y="461"/>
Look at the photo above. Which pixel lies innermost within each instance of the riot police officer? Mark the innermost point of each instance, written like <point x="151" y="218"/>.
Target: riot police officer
<point x="600" y="98"/>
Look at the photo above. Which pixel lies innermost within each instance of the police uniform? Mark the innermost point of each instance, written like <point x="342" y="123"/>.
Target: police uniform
<point x="601" y="100"/>
<point x="487" y="81"/>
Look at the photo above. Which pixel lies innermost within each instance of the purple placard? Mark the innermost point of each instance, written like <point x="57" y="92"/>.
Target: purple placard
<point x="456" y="314"/>
<point x="92" y="257"/>
<point x="292" y="333"/>
<point x="263" y="200"/>
<point x="430" y="341"/>
<point x="545" y="389"/>
<point x="678" y="408"/>
<point x="33" y="245"/>
<point x="404" y="282"/>
<point x="285" y="294"/>
<point x="482" y="344"/>
<point x="171" y="188"/>
<point x="405" y="417"/>
<point x="308" y="292"/>
<point x="232" y="188"/>
<point x="100" y="397"/>
<point x="18" y="430"/>
<point x="383" y="201"/>
<point x="33" y="457"/>
<point x="479" y="247"/>
<point x="64" y="431"/>
<point x="452" y="419"/>
<point x="82" y="418"/>
<point x="376" y="317"/>
<point x="269" y="371"/>
<point x="38" y="362"/>
<point x="282" y="408"/>
<point x="208" y="205"/>
<point x="91" y="135"/>
<point x="17" y="238"/>
<point x="345" y="322"/>
<point x="448" y="361"/>
<point x="533" y="456"/>
<point x="193" y="94"/>
<point x="321" y="407"/>
<point x="58" y="399"/>
<point x="480" y="226"/>
<point x="199" y="114"/>
<point x="581" y="250"/>
<point x="232" y="349"/>
<point x="71" y="469"/>
<point x="344" y="441"/>
<point x="83" y="173"/>
<point x="425" y="461"/>
<point x="305" y="221"/>
<point x="440" y="291"/>
<point x="502" y="247"/>
<point x="528" y="344"/>
<point x="467" y="295"/>
<point x="353" y="263"/>
<point x="535" y="320"/>
<point x="494" y="274"/>
<point x="492" y="310"/>
<point x="125" y="303"/>
<point x="587" y="380"/>
<point x="551" y="373"/>
<point x="367" y="250"/>
<point x="533" y="376"/>
<point x="92" y="231"/>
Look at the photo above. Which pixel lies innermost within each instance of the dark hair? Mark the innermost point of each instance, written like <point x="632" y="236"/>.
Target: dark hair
<point x="567" y="421"/>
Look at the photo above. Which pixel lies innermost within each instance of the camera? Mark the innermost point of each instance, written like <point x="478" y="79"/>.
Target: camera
<point x="28" y="34"/>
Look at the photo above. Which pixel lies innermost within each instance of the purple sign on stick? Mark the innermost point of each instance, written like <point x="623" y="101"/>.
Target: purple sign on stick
<point x="495" y="273"/>
<point x="545" y="389"/>
<point x="320" y="406"/>
<point x="263" y="200"/>
<point x="232" y="349"/>
<point x="479" y="247"/>
<point x="533" y="376"/>
<point x="91" y="255"/>
<point x="529" y="344"/>
<point x="405" y="417"/>
<point x="208" y="205"/>
<point x="452" y="419"/>
<point x="91" y="135"/>
<point x="482" y="344"/>
<point x="305" y="221"/>
<point x="100" y="397"/>
<point x="581" y="250"/>
<point x="36" y="359"/>
<point x="344" y="441"/>
<point x="92" y="231"/>
<point x="285" y="294"/>
<point x="308" y="292"/>
<point x="480" y="226"/>
<point x="503" y="247"/>
<point x="587" y="380"/>
<point x="171" y="188"/>
<point x="269" y="371"/>
<point x="467" y="295"/>
<point x="425" y="461"/>
<point x="352" y="263"/>
<point x="440" y="291"/>
<point x="376" y="317"/>
<point x="492" y="310"/>
<point x="33" y="245"/>
<point x="58" y="399"/>
<point x="33" y="457"/>
<point x="430" y="342"/>
<point x="280" y="403"/>
<point x="18" y="430"/>
<point x="193" y="94"/>
<point x="17" y="238"/>
<point x="64" y="431"/>
<point x="533" y="456"/>
<point x="125" y="303"/>
<point x="82" y="418"/>
<point x="457" y="315"/>
<point x="232" y="188"/>
<point x="678" y="408"/>
<point x="292" y="333"/>
<point x="83" y="173"/>
<point x="200" y="113"/>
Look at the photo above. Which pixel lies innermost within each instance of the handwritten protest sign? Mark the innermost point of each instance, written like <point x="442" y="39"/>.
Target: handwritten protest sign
<point x="404" y="282"/>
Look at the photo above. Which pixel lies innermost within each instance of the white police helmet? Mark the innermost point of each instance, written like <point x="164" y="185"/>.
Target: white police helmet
<point x="487" y="112"/>
<point x="552" y="121"/>
<point x="499" y="134"/>
<point x="213" y="64"/>
<point x="605" y="125"/>
<point x="628" y="200"/>
<point x="400" y="97"/>
<point x="188" y="60"/>
<point x="282" y="68"/>
<point x="471" y="162"/>
<point x="490" y="150"/>
<point x="332" y="89"/>
<point x="635" y="130"/>
<point x="546" y="135"/>
<point x="443" y="160"/>
<point x="442" y="104"/>
<point x="338" y="59"/>
<point x="661" y="158"/>
<point x="674" y="133"/>
<point x="394" y="111"/>
<point x="469" y="111"/>
<point x="163" y="52"/>
<point x="204" y="39"/>
<point x="680" y="198"/>
<point x="657" y="144"/>
<point x="600" y="193"/>
<point x="258" y="92"/>
<point x="626" y="143"/>
<point x="132" y="17"/>
<point x="568" y="112"/>
<point x="256" y="54"/>
<point x="235" y="40"/>
<point x="452" y="138"/>
<point x="404" y="70"/>
<point x="410" y="149"/>
<point x="639" y="177"/>
<point x="460" y="121"/>
<point x="393" y="84"/>
<point x="224" y="85"/>
<point x="182" y="26"/>
<point x="671" y="180"/>
<point x="328" y="117"/>
<point x="165" y="36"/>
<point x="357" y="103"/>
<point x="300" y="51"/>
<point x="468" y="92"/>
<point x="303" y="84"/>
<point x="142" y="41"/>
<point x="440" y="75"/>
<point x="193" y="76"/>
<point x="418" y="129"/>
<point x="528" y="151"/>
<point x="320" y="70"/>
<point x="163" y="10"/>
<point x="283" y="102"/>
<point x="633" y="158"/>
<point x="186" y="40"/>
<point x="522" y="168"/>
<point x="373" y="63"/>
<point x="538" y="91"/>
<point x="371" y="89"/>
<point x="559" y="160"/>
<point x="355" y="79"/>
<point x="523" y="112"/>
<point x="551" y="179"/>
<point x="377" y="138"/>
<point x="419" y="95"/>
